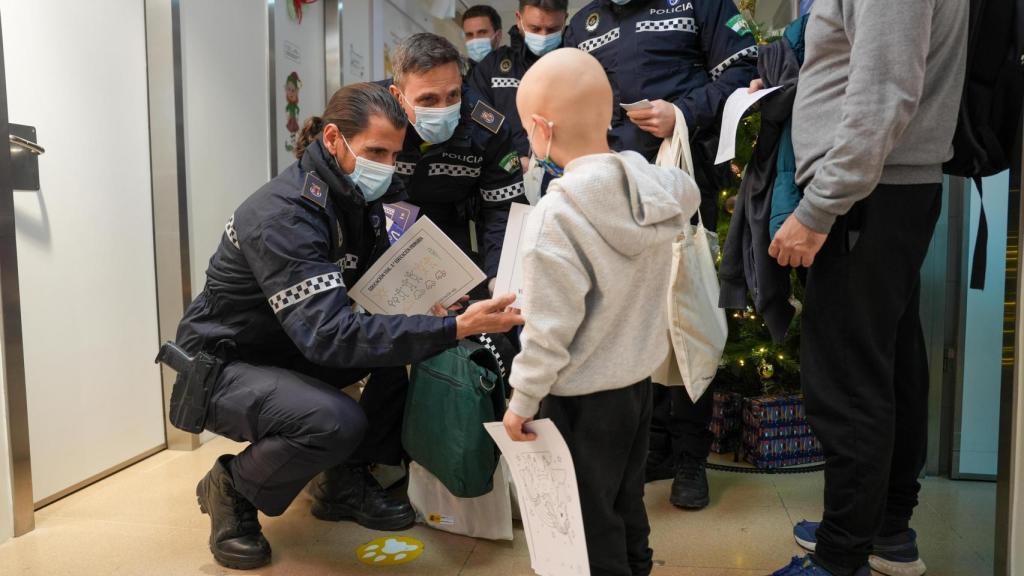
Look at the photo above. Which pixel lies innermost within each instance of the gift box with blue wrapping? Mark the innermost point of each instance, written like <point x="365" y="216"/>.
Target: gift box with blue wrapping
<point x="776" y="433"/>
<point x="726" y="416"/>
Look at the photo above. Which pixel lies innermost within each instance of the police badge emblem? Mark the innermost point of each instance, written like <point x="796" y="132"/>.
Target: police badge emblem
<point x="505" y="66"/>
<point x="592" y="21"/>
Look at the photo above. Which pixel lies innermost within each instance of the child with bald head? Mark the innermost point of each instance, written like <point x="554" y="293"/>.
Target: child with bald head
<point x="597" y="250"/>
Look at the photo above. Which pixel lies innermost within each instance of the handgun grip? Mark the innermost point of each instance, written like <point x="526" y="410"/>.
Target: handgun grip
<point x="173" y="356"/>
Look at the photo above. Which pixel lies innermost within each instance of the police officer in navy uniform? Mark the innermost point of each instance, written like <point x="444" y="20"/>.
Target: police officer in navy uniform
<point x="690" y="55"/>
<point x="538" y="30"/>
<point x="458" y="163"/>
<point x="276" y="311"/>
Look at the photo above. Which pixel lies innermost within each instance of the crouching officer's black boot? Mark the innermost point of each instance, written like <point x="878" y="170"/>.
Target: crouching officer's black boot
<point x="236" y="538"/>
<point x="350" y="492"/>
<point x="690" y="487"/>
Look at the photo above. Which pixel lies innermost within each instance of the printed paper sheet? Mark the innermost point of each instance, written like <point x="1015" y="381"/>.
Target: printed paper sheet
<point x="422" y="268"/>
<point x="549" y="500"/>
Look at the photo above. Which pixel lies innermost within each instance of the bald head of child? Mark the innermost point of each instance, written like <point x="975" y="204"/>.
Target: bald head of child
<point x="565" y="103"/>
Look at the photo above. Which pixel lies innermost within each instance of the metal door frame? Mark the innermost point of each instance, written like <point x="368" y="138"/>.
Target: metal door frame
<point x="12" y="359"/>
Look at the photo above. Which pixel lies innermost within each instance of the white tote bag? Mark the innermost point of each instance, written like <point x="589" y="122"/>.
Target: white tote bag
<point x="697" y="326"/>
<point x="488" y="516"/>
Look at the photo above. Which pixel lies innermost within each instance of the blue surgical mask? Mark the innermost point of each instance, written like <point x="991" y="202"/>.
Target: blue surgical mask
<point x="436" y="125"/>
<point x="372" y="178"/>
<point x="541" y="44"/>
<point x="546" y="162"/>
<point x="478" y="48"/>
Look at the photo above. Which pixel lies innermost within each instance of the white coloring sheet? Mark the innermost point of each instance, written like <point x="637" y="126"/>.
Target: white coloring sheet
<point x="735" y="106"/>
<point x="549" y="499"/>
<point x="421" y="268"/>
<point x="510" y="267"/>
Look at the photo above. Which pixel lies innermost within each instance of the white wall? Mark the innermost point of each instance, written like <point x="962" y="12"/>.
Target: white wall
<point x="6" y="501"/>
<point x="226" y="103"/>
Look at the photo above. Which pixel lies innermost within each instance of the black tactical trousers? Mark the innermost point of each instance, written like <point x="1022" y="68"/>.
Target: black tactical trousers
<point x="299" y="422"/>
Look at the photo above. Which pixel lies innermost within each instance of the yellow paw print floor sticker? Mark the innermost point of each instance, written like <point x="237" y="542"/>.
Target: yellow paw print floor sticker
<point x="390" y="551"/>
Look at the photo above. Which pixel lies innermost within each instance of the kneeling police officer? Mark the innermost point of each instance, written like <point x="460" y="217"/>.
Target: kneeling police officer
<point x="276" y="321"/>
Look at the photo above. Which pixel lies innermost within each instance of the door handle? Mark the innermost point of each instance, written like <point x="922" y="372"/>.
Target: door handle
<point x="26" y="144"/>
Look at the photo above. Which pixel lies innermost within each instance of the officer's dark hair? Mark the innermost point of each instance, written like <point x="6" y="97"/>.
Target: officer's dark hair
<point x="422" y="53"/>
<point x="350" y="110"/>
<point x="485" y="11"/>
<point x="546" y="5"/>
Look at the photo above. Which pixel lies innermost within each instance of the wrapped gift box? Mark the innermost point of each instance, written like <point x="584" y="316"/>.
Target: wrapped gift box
<point x="776" y="433"/>
<point x="726" y="416"/>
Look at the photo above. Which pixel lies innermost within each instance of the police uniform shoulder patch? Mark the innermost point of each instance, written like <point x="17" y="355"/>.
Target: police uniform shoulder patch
<point x="510" y="163"/>
<point x="739" y="25"/>
<point x="505" y="66"/>
<point x="592" y="21"/>
<point x="315" y="190"/>
<point x="487" y="117"/>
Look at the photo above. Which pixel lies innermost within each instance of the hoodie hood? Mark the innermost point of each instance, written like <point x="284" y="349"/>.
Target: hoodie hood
<point x="631" y="203"/>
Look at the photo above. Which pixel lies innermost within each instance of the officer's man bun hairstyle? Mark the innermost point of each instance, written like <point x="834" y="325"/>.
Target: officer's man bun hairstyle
<point x="484" y="11"/>
<point x="422" y="53"/>
<point x="546" y="5"/>
<point x="350" y="109"/>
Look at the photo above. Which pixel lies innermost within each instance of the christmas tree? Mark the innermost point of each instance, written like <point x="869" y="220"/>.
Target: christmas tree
<point x="753" y="365"/>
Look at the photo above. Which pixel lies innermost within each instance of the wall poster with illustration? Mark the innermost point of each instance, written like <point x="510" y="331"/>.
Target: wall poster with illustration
<point x="298" y="72"/>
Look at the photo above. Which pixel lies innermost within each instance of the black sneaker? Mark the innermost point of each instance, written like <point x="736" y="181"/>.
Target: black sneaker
<point x="897" y="555"/>
<point x="660" y="467"/>
<point x="690" y="486"/>
<point x="352" y="493"/>
<point x="236" y="537"/>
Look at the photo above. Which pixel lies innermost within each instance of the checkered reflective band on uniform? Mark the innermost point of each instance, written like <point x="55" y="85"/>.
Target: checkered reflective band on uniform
<point x="349" y="262"/>
<point x="305" y="289"/>
<point x="504" y="82"/>
<point x="489" y="344"/>
<point x="595" y="43"/>
<point x="229" y="231"/>
<point x="405" y="168"/>
<point x="675" y="24"/>
<point x="502" y="194"/>
<point x="453" y="170"/>
<point x="717" y="71"/>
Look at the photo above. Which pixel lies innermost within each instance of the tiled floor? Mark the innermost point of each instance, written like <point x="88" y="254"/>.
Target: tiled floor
<point x="144" y="520"/>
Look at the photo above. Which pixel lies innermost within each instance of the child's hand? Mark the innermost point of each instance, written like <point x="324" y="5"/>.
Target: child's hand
<point x="514" y="427"/>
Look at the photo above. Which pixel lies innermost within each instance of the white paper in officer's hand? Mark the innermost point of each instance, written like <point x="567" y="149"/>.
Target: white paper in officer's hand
<point x="640" y="105"/>
<point x="510" y="268"/>
<point x="421" y="268"/>
<point x="735" y="106"/>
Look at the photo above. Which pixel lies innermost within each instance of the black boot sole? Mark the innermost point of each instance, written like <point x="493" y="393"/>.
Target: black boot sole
<point x="691" y="504"/>
<point x="334" y="514"/>
<point x="227" y="560"/>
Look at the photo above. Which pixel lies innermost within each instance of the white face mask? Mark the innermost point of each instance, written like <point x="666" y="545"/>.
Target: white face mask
<point x="436" y="125"/>
<point x="372" y="178"/>
<point x="541" y="44"/>
<point x="478" y="48"/>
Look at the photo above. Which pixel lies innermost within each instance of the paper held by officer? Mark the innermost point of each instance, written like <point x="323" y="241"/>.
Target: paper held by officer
<point x="422" y="268"/>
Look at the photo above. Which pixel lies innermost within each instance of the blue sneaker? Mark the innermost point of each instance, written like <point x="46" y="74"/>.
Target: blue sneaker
<point x="806" y="566"/>
<point x="892" y="556"/>
<point x="804" y="533"/>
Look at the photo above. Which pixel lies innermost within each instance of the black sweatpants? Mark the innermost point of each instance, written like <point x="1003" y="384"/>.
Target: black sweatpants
<point x="607" y="436"/>
<point x="864" y="370"/>
<point x="300" y="423"/>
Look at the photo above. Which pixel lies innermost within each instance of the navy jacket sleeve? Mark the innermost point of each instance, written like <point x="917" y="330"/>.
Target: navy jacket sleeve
<point x="501" y="184"/>
<point x="730" y="54"/>
<point x="288" y="257"/>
